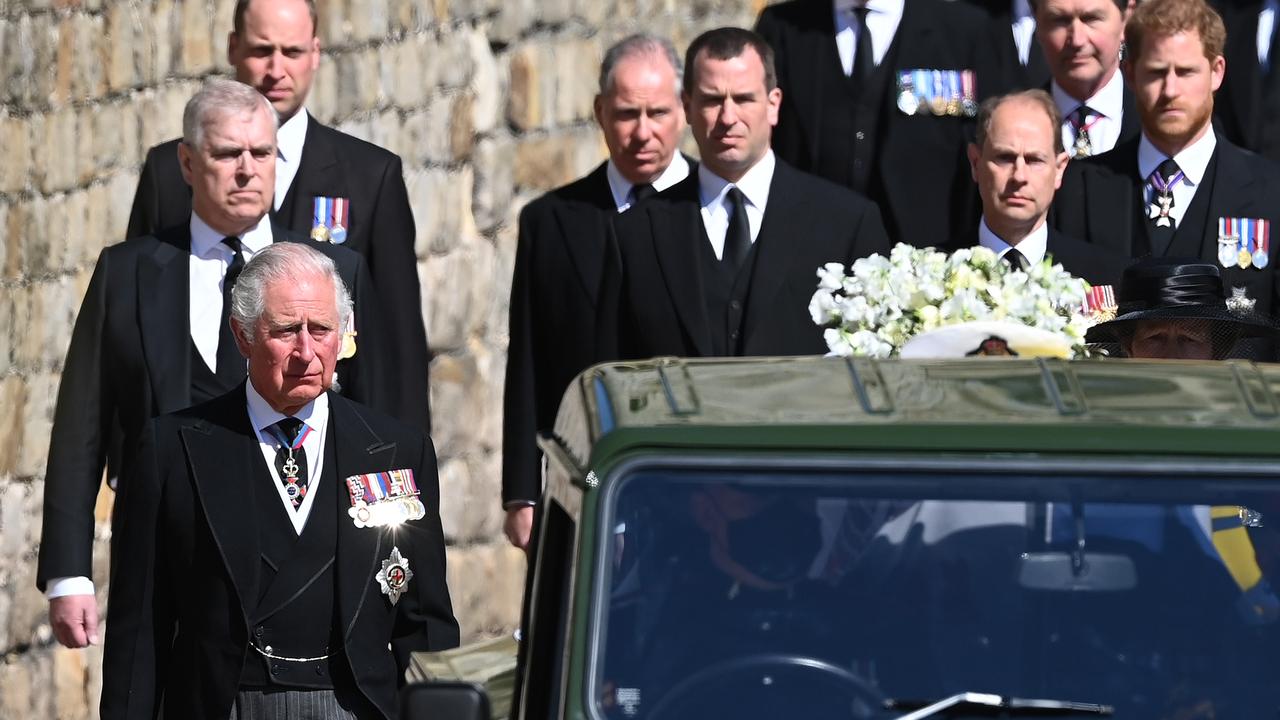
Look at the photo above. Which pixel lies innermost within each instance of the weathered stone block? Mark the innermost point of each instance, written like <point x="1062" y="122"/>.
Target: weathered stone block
<point x="15" y="171"/>
<point x="455" y="386"/>
<point x="403" y="64"/>
<point x="494" y="181"/>
<point x="461" y="127"/>
<point x="120" y="190"/>
<point x="196" y="53"/>
<point x="485" y="584"/>
<point x="576" y="80"/>
<point x="323" y="100"/>
<point x="457" y="289"/>
<point x="441" y="204"/>
<point x="13" y="393"/>
<point x="524" y="97"/>
<point x="425" y="135"/>
<point x="122" y="36"/>
<point x="486" y="85"/>
<point x="23" y="691"/>
<point x="37" y="421"/>
<point x="55" y="156"/>
<point x="548" y="162"/>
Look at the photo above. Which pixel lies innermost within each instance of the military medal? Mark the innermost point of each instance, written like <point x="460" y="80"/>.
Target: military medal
<point x="395" y="575"/>
<point x="293" y="488"/>
<point x="968" y="86"/>
<point x="937" y="101"/>
<point x="384" y="499"/>
<point x="1244" y="257"/>
<point x="1100" y="303"/>
<point x="330" y="219"/>
<point x="1261" y="239"/>
<point x="338" y="230"/>
<point x="908" y="103"/>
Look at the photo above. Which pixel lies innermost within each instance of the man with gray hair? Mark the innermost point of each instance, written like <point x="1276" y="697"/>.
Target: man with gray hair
<point x="153" y="335"/>
<point x="275" y="543"/>
<point x="563" y="247"/>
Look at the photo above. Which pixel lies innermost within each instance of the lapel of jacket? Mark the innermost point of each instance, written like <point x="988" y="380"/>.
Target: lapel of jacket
<point x="316" y="177"/>
<point x="676" y="229"/>
<point x="358" y="450"/>
<point x="1233" y="195"/>
<point x="163" y="301"/>
<point x="583" y="226"/>
<point x="1112" y="199"/>
<point x="784" y="219"/>
<point x="221" y="449"/>
<point x="1242" y="59"/>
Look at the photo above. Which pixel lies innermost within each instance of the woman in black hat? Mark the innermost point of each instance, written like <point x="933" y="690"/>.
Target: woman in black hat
<point x="1178" y="310"/>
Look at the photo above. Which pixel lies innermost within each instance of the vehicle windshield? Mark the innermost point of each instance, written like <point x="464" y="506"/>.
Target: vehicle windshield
<point x="765" y="594"/>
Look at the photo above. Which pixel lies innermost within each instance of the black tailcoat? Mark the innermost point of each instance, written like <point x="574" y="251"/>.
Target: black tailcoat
<point x="662" y="306"/>
<point x="186" y="563"/>
<point x="130" y="359"/>
<point x="333" y="164"/>
<point x="920" y="178"/>
<point x="1102" y="201"/>
<point x="560" y="256"/>
<point x="1247" y="106"/>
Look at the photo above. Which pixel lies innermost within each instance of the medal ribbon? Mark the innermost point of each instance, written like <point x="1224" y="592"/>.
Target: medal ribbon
<point x="320" y="213"/>
<point x="967" y="82"/>
<point x="281" y="438"/>
<point x="1079" y="127"/>
<point x="1263" y="235"/>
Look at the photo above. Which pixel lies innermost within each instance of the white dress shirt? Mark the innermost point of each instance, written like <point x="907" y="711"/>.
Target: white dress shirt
<point x="1033" y="247"/>
<point x="289" y="140"/>
<point x="883" y="17"/>
<point x="1108" y="102"/>
<point x="713" y="189"/>
<point x="676" y="171"/>
<point x="1024" y="29"/>
<point x="210" y="258"/>
<point x="1266" y="26"/>
<point x="1193" y="161"/>
<point x="316" y="415"/>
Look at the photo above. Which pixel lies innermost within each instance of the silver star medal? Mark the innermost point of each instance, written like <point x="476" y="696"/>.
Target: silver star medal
<point x="395" y="575"/>
<point x="1239" y="303"/>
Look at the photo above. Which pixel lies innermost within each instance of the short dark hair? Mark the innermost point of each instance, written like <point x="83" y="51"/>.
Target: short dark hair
<point x="242" y="7"/>
<point x="1121" y="5"/>
<point x="725" y="43"/>
<point x="1161" y="18"/>
<point x="1037" y="97"/>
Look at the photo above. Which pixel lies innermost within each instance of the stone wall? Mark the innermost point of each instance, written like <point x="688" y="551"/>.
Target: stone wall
<point x="487" y="101"/>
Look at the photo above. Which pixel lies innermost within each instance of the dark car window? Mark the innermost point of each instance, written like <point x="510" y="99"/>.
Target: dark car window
<point x="758" y="594"/>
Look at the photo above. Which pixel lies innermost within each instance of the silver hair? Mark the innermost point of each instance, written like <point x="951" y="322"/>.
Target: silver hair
<point x="220" y="98"/>
<point x="640" y="44"/>
<point x="283" y="261"/>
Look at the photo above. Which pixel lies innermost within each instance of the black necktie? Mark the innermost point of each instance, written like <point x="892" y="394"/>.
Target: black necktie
<point x="1160" y="222"/>
<point x="230" y="363"/>
<point x="737" y="238"/>
<point x="1016" y="260"/>
<point x="864" y="56"/>
<point x="291" y="459"/>
<point x="640" y="193"/>
<point x="1081" y="119"/>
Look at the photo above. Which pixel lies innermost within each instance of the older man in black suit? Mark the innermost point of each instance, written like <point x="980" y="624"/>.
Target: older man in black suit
<point x="878" y="96"/>
<point x="278" y="550"/>
<point x="563" y="248"/>
<point x="152" y="334"/>
<point x="1248" y="104"/>
<point x="1018" y="161"/>
<point x="1181" y="189"/>
<point x="724" y="262"/>
<point x="328" y="185"/>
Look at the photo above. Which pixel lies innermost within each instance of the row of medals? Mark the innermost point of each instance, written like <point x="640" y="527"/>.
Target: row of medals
<point x="1228" y="256"/>
<point x="910" y="103"/>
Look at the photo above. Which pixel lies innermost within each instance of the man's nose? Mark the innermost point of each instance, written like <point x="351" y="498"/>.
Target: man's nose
<point x="304" y="348"/>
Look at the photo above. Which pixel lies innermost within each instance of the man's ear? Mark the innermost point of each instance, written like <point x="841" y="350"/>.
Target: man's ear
<point x="233" y="44"/>
<point x="185" y="154"/>
<point x="974" y="153"/>
<point x="241" y="344"/>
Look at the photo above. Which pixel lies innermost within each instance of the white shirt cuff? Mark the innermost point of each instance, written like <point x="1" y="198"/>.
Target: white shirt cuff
<point x="59" y="587"/>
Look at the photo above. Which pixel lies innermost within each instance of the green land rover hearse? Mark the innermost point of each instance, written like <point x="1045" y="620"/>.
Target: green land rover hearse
<point x="831" y="538"/>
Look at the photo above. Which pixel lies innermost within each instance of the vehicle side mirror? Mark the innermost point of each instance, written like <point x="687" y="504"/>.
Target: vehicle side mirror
<point x="1077" y="572"/>
<point x="443" y="701"/>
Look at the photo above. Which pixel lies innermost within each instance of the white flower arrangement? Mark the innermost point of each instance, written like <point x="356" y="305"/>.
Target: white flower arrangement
<point x="873" y="307"/>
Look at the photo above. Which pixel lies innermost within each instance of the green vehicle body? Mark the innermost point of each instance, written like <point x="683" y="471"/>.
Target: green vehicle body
<point x="1081" y="416"/>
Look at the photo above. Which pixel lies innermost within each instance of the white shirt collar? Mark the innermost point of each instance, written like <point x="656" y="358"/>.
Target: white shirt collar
<point x="1108" y="101"/>
<point x="1033" y="247"/>
<point x="290" y="136"/>
<point x="1193" y="161"/>
<point x="754" y="184"/>
<point x="676" y="170"/>
<point x="315" y="413"/>
<point x="204" y="238"/>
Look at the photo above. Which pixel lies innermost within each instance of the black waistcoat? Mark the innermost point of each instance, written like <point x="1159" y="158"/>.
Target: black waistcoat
<point x="852" y="124"/>
<point x="205" y="385"/>
<point x="726" y="296"/>
<point x="294" y="613"/>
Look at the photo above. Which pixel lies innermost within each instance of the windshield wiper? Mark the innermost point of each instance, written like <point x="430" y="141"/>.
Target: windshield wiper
<point x="1011" y="706"/>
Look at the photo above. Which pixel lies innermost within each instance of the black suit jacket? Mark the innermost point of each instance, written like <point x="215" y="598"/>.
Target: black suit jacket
<point x="1098" y="265"/>
<point x="1005" y="71"/>
<point x="921" y="159"/>
<point x="560" y="257"/>
<point x="185" y="558"/>
<point x="130" y="360"/>
<point x="661" y="301"/>
<point x="1101" y="201"/>
<point x="1238" y="104"/>
<point x="333" y="164"/>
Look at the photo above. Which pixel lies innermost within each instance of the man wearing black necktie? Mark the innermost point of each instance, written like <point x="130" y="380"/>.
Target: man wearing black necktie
<point x="278" y="551"/>
<point x="328" y="184"/>
<point x="1018" y="161"/>
<point x="1181" y="189"/>
<point x="1248" y="104"/>
<point x="152" y="335"/>
<point x="723" y="263"/>
<point x="562" y="250"/>
<point x="878" y="96"/>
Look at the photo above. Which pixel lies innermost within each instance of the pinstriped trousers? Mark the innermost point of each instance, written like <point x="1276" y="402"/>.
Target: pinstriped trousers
<point x="288" y="705"/>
